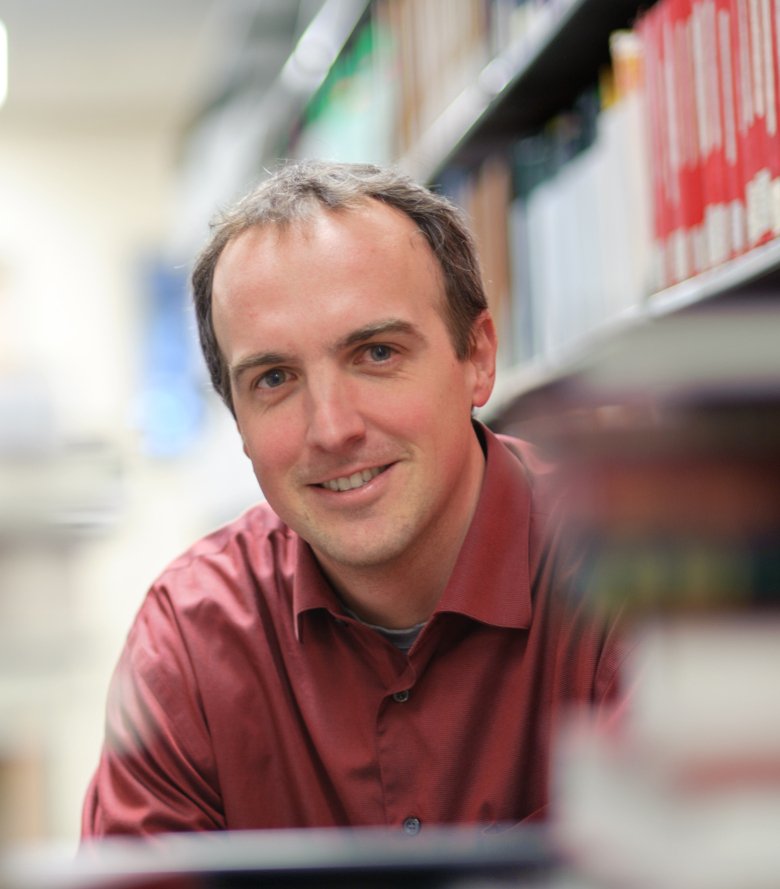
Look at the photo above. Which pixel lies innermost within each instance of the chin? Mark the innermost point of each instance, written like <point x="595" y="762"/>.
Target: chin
<point x="360" y="555"/>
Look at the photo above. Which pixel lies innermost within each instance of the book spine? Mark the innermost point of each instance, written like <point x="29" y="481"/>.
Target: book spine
<point x="632" y="202"/>
<point x="765" y="32"/>
<point x="676" y="101"/>
<point x="490" y="206"/>
<point x="693" y="129"/>
<point x="772" y="13"/>
<point x="728" y="73"/>
<point x="757" y="172"/>
<point x="649" y="28"/>
<point x="707" y="161"/>
<point x="712" y="136"/>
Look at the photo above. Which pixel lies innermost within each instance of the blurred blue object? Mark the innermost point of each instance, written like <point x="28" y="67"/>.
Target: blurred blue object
<point x="170" y="403"/>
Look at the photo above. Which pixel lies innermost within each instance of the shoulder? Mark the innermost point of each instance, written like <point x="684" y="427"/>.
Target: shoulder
<point x="259" y="524"/>
<point x="221" y="577"/>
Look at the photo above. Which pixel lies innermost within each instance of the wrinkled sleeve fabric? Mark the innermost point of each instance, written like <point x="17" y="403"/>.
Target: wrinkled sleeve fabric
<point x="156" y="772"/>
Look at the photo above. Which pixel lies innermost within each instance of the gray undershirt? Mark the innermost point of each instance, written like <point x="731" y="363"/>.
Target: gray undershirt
<point x="403" y="639"/>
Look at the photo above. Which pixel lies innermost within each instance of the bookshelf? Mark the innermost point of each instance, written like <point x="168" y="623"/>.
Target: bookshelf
<point x="467" y="100"/>
<point x="522" y="85"/>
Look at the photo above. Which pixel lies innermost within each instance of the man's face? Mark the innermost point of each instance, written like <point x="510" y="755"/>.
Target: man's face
<point x="350" y="400"/>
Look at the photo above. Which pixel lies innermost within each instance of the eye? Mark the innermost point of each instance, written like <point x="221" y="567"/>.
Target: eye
<point x="379" y="352"/>
<point x="272" y="379"/>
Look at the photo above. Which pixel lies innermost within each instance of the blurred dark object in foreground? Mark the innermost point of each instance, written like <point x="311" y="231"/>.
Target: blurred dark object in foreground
<point x="668" y="439"/>
<point x="322" y="858"/>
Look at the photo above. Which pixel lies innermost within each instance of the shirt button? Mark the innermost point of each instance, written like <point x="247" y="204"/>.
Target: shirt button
<point x="412" y="826"/>
<point x="401" y="697"/>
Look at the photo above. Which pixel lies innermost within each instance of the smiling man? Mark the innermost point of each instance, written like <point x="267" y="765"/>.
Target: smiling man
<point x="390" y="638"/>
<point x="352" y="404"/>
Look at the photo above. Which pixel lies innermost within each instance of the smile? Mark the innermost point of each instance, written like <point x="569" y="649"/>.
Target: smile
<point x="356" y="480"/>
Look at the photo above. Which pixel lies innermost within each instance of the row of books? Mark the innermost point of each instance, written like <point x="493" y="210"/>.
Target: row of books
<point x="562" y="218"/>
<point x="713" y="99"/>
<point x="669" y="166"/>
<point x="406" y="64"/>
<point x="443" y="46"/>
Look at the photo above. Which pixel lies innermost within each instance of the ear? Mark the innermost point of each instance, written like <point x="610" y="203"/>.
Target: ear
<point x="483" y="358"/>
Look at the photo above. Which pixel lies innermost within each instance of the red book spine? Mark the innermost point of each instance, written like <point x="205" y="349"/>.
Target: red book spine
<point x="675" y="104"/>
<point x="757" y="169"/>
<point x="773" y="14"/>
<point x="709" y="95"/>
<point x="650" y="31"/>
<point x="692" y="129"/>
<point x="744" y="103"/>
<point x="766" y="36"/>
<point x="730" y="92"/>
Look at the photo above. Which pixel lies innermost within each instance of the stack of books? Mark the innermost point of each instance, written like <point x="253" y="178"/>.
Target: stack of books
<point x="674" y="486"/>
<point x="682" y="786"/>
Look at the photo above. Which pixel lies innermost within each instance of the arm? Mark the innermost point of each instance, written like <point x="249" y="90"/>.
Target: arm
<point x="156" y="771"/>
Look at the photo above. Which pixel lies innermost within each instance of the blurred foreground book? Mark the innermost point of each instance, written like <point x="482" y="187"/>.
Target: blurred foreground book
<point x="682" y="788"/>
<point x="669" y="439"/>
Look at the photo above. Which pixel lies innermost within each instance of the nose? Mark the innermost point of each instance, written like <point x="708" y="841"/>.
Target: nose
<point x="335" y="420"/>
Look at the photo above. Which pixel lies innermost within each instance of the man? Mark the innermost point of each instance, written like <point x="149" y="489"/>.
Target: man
<point x="386" y="641"/>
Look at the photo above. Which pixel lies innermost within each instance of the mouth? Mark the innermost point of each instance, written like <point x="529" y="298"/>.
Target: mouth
<point x="356" y="480"/>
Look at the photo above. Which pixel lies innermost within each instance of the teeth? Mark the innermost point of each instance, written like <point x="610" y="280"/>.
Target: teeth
<point x="356" y="480"/>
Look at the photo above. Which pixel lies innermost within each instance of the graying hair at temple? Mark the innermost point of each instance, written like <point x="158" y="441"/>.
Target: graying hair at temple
<point x="298" y="190"/>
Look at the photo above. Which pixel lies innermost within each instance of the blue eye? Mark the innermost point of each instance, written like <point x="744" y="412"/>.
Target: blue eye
<point x="380" y="352"/>
<point x="272" y="379"/>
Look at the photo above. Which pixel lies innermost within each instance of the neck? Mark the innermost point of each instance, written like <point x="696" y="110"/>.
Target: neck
<point x="395" y="602"/>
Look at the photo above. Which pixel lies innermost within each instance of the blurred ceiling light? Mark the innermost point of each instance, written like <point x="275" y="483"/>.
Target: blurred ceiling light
<point x="3" y="63"/>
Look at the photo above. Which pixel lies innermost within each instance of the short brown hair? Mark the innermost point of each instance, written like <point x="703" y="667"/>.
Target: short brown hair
<point x="297" y="190"/>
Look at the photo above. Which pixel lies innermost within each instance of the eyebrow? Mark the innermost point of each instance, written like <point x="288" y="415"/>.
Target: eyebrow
<point x="353" y="338"/>
<point x="378" y="328"/>
<point x="262" y="359"/>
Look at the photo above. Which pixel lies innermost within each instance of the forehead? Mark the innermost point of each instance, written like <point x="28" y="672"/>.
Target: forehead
<point x="345" y="266"/>
<point x="369" y="237"/>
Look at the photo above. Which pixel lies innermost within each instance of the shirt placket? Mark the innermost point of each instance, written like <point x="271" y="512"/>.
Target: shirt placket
<point x="397" y="752"/>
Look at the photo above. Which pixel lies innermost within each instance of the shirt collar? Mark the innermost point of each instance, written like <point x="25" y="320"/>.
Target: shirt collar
<point x="311" y="590"/>
<point x="491" y="581"/>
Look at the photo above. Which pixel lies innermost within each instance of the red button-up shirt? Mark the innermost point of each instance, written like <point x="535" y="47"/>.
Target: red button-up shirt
<point x="247" y="698"/>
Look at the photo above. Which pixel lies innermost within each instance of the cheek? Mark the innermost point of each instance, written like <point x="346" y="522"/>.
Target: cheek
<point x="405" y="416"/>
<point x="270" y="446"/>
<point x="434" y="408"/>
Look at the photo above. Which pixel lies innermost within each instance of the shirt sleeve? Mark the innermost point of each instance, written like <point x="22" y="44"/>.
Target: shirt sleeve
<point x="156" y="771"/>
